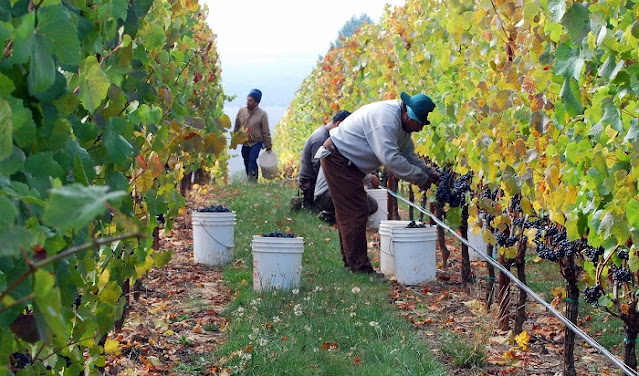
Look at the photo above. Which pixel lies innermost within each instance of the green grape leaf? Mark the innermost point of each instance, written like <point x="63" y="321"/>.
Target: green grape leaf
<point x="23" y="41"/>
<point x="43" y="165"/>
<point x="118" y="148"/>
<point x="633" y="132"/>
<point x="6" y="121"/>
<point x="576" y="20"/>
<point x="632" y="213"/>
<point x="568" y="61"/>
<point x="454" y="217"/>
<point x="9" y="212"/>
<point x="7" y="84"/>
<point x="571" y="97"/>
<point x="162" y="258"/>
<point x="48" y="307"/>
<point x="14" y="163"/>
<point x="54" y="34"/>
<point x="557" y="9"/>
<point x="111" y="293"/>
<point x="24" y="128"/>
<point x="612" y="117"/>
<point x="55" y="26"/>
<point x="634" y="30"/>
<point x="74" y="206"/>
<point x="6" y="340"/>
<point x="94" y="84"/>
<point x="15" y="240"/>
<point x="609" y="69"/>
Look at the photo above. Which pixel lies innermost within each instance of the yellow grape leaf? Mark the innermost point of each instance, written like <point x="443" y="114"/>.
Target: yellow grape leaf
<point x="526" y="208"/>
<point x="503" y="101"/>
<point x="558" y="291"/>
<point x="238" y="138"/>
<point x="488" y="237"/>
<point x="222" y="122"/>
<point x="105" y="277"/>
<point x="214" y="143"/>
<point x="552" y="176"/>
<point x="510" y="252"/>
<point x="476" y="307"/>
<point x="557" y="217"/>
<point x="112" y="346"/>
<point x="144" y="181"/>
<point x="611" y="133"/>
<point x="522" y="340"/>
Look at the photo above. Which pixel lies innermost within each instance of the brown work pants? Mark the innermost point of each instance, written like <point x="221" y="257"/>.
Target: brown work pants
<point x="351" y="208"/>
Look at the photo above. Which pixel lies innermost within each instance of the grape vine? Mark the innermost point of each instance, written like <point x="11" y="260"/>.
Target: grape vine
<point x="104" y="106"/>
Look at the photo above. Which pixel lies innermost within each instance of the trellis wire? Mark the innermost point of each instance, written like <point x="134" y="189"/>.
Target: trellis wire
<point x="627" y="370"/>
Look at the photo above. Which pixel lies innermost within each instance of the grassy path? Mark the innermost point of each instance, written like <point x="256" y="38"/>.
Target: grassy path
<point x="336" y="323"/>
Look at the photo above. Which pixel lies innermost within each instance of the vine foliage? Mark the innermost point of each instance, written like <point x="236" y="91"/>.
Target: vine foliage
<point x="104" y="105"/>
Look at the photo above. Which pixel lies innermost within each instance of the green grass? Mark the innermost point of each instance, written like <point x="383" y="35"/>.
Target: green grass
<point x="336" y="323"/>
<point x="465" y="353"/>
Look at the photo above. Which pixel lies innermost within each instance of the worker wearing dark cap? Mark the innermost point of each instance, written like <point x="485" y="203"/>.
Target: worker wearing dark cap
<point x="254" y="121"/>
<point x="376" y="134"/>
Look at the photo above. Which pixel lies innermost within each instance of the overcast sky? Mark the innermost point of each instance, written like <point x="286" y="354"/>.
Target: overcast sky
<point x="275" y="44"/>
<point x="298" y="28"/>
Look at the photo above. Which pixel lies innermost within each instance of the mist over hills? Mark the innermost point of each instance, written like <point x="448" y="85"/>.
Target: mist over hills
<point x="276" y="77"/>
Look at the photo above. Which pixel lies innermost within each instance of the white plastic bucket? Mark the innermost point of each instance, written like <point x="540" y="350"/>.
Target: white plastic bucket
<point x="267" y="160"/>
<point x="414" y="252"/>
<point x="277" y="262"/>
<point x="213" y="237"/>
<point x="381" y="196"/>
<point x="386" y="260"/>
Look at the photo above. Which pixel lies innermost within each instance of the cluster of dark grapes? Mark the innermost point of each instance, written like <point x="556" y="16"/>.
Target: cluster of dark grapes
<point x="504" y="240"/>
<point x="515" y="204"/>
<point x="552" y="243"/>
<point x="414" y="224"/>
<point x="593" y="254"/>
<point x="620" y="275"/>
<point x="278" y="235"/>
<point x="592" y="294"/>
<point x="623" y="254"/>
<point x="20" y="360"/>
<point x="489" y="194"/>
<point x="453" y="194"/>
<point x="214" y="209"/>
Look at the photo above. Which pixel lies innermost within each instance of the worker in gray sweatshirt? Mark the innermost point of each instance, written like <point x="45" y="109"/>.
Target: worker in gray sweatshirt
<point x="376" y="134"/>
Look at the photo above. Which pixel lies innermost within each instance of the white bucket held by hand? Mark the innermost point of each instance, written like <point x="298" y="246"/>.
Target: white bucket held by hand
<point x="414" y="252"/>
<point x="381" y="196"/>
<point x="213" y="237"/>
<point x="386" y="259"/>
<point x="277" y="262"/>
<point x="267" y="160"/>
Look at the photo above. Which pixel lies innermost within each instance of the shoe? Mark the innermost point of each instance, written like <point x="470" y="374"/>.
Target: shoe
<point x="297" y="203"/>
<point x="327" y="217"/>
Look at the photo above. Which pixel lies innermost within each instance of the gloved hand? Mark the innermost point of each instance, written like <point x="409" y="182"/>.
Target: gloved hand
<point x="433" y="178"/>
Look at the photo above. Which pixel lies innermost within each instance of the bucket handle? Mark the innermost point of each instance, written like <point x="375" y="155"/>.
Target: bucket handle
<point x="213" y="237"/>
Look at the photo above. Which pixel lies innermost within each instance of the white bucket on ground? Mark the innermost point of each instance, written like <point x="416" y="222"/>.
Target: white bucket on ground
<point x="386" y="260"/>
<point x="213" y="237"/>
<point x="277" y="262"/>
<point x="267" y="160"/>
<point x="414" y="252"/>
<point x="381" y="196"/>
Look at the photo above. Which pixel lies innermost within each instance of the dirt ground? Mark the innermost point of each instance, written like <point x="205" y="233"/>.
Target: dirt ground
<point x="187" y="299"/>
